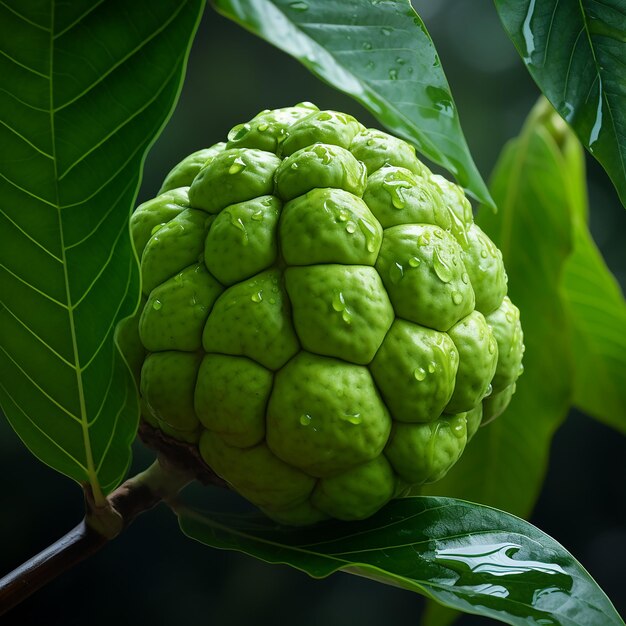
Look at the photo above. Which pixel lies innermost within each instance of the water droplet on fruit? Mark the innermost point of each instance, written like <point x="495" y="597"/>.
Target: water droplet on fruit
<point x="396" y="273"/>
<point x="419" y="373"/>
<point x="386" y="31"/>
<point x="299" y="6"/>
<point x="257" y="297"/>
<point x="294" y="166"/>
<point x="238" y="166"/>
<point x="157" y="228"/>
<point x="483" y="253"/>
<point x="465" y="278"/>
<point x="350" y="227"/>
<point x="492" y="346"/>
<point x="442" y="269"/>
<point x="352" y="418"/>
<point x="400" y="61"/>
<point x="156" y="305"/>
<point x="237" y="222"/>
<point x="393" y="74"/>
<point x="457" y="297"/>
<point x="423" y="239"/>
<point x="238" y="132"/>
<point x="432" y="366"/>
<point x="257" y="216"/>
<point x="489" y="391"/>
<point x="367" y="45"/>
<point x="305" y="419"/>
<point x="323" y="153"/>
<point x="339" y="304"/>
<point x="415" y="261"/>
<point x="262" y="127"/>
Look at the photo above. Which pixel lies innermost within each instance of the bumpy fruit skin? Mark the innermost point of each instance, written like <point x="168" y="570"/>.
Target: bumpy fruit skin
<point x="321" y="316"/>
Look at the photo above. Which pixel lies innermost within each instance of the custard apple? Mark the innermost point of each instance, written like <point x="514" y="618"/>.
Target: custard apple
<point x="322" y="319"/>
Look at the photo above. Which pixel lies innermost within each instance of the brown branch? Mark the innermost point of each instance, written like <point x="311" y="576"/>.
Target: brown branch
<point x="101" y="524"/>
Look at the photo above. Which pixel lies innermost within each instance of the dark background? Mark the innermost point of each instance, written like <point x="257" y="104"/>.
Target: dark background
<point x="152" y="574"/>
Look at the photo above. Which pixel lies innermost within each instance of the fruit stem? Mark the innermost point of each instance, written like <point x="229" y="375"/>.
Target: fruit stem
<point x="160" y="482"/>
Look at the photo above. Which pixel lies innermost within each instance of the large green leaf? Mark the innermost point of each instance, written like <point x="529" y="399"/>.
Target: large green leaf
<point x="596" y="306"/>
<point x="466" y="556"/>
<point x="504" y="464"/>
<point x="85" y="87"/>
<point x="576" y="52"/>
<point x="381" y="54"/>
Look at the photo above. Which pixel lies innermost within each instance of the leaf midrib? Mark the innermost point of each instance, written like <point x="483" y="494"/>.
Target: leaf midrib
<point x="98" y="496"/>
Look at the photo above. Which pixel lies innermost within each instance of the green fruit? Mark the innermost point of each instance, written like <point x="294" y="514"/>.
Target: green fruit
<point x="321" y="317"/>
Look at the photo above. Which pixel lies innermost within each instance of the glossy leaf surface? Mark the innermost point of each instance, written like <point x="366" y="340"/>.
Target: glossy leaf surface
<point x="576" y="52"/>
<point x="379" y="53"/>
<point x="470" y="557"/>
<point x="85" y="87"/>
<point x="504" y="464"/>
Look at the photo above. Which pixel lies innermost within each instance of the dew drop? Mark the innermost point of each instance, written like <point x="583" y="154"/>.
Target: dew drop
<point x="370" y="142"/>
<point x="346" y="316"/>
<point x="458" y="429"/>
<point x="323" y="153"/>
<point x="489" y="391"/>
<point x="457" y="297"/>
<point x="432" y="366"/>
<point x="396" y="273"/>
<point x="262" y="127"/>
<point x="370" y="65"/>
<point x="294" y="166"/>
<point x="343" y="215"/>
<point x="157" y="228"/>
<point x="386" y="31"/>
<point x="238" y="132"/>
<point x="509" y="317"/>
<point x="492" y="346"/>
<point x="419" y="373"/>
<point x="237" y="166"/>
<point x="257" y="297"/>
<point x="350" y="227"/>
<point x="299" y="6"/>
<point x="237" y="222"/>
<point x="339" y="304"/>
<point x="423" y="239"/>
<point x="415" y="261"/>
<point x="257" y="216"/>
<point x="395" y="187"/>
<point x="156" y="305"/>
<point x="305" y="419"/>
<point x="367" y="45"/>
<point x="393" y="74"/>
<point x="483" y="253"/>
<point x="442" y="269"/>
<point x="352" y="418"/>
<point x="400" y="61"/>
<point x="272" y="300"/>
<point x="465" y="278"/>
<point x="324" y="117"/>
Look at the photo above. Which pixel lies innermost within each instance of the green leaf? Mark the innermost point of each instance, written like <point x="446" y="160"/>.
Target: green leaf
<point x="597" y="311"/>
<point x="505" y="463"/>
<point x="85" y="87"/>
<point x="576" y="52"/>
<point x="466" y="556"/>
<point x="379" y="53"/>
